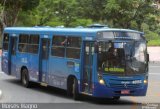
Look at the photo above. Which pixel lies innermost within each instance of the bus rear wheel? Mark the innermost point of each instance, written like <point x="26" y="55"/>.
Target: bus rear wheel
<point x="25" y="78"/>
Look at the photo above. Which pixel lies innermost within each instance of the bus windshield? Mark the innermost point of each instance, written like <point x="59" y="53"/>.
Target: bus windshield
<point x="122" y="58"/>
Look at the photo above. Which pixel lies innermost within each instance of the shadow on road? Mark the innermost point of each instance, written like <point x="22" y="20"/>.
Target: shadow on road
<point x="52" y="91"/>
<point x="104" y="101"/>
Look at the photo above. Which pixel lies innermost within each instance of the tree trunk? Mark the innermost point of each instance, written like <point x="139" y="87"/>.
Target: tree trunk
<point x="2" y="15"/>
<point x="2" y="22"/>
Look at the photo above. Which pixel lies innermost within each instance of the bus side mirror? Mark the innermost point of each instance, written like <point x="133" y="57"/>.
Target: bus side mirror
<point x="147" y="57"/>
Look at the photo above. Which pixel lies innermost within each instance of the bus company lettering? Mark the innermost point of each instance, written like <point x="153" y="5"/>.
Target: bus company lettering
<point x="24" y="60"/>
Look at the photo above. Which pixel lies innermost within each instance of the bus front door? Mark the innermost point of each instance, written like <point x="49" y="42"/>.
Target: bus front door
<point x="87" y="75"/>
<point x="44" y="58"/>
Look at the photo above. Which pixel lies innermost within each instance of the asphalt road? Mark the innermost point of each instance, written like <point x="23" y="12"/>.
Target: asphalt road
<point x="14" y="92"/>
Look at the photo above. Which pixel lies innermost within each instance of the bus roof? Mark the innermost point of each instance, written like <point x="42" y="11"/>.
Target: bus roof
<point x="66" y="30"/>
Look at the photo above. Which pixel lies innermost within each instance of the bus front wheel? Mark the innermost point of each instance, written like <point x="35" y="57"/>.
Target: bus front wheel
<point x="75" y="89"/>
<point x="116" y="98"/>
<point x="25" y="78"/>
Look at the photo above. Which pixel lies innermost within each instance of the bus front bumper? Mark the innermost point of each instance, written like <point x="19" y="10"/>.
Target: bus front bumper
<point x="104" y="91"/>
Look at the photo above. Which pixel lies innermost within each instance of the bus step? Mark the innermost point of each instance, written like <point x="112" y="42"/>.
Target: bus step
<point x="86" y="84"/>
<point x="44" y="84"/>
<point x="85" y="93"/>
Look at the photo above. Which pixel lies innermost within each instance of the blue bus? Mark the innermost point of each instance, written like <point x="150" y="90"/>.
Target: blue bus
<point x="99" y="62"/>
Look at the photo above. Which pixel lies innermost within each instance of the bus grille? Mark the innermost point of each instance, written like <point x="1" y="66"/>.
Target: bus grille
<point x="117" y="84"/>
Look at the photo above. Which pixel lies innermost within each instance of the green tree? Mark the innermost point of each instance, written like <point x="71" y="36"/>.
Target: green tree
<point x="124" y="12"/>
<point x="134" y="14"/>
<point x="10" y="10"/>
<point x="92" y="9"/>
<point x="55" y="12"/>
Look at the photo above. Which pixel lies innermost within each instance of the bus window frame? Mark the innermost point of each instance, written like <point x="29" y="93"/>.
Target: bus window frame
<point x="35" y="44"/>
<point x="62" y="46"/>
<point x="28" y="43"/>
<point x="75" y="48"/>
<point x="7" y="42"/>
<point x="65" y="46"/>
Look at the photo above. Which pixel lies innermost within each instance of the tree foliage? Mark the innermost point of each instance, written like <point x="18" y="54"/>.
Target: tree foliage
<point x="134" y="14"/>
<point x="11" y="9"/>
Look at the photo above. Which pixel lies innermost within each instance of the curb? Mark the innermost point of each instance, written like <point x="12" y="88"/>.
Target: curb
<point x="0" y="93"/>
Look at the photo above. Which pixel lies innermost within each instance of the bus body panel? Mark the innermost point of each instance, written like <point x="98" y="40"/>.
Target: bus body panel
<point x="106" y="92"/>
<point x="115" y="84"/>
<point x="5" y="62"/>
<point x="13" y="56"/>
<point x="58" y="72"/>
<point x="22" y="61"/>
<point x="58" y="69"/>
<point x="44" y="58"/>
<point x="33" y="67"/>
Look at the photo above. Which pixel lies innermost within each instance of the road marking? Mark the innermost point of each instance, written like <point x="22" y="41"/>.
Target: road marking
<point x="1" y="72"/>
<point x="152" y="96"/>
<point x="154" y="66"/>
<point x="154" y="73"/>
<point x="0" y="93"/>
<point x="154" y="81"/>
<point x="134" y="106"/>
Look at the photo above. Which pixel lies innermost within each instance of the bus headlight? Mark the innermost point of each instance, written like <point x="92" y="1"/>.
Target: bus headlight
<point x="101" y="81"/>
<point x="145" y="81"/>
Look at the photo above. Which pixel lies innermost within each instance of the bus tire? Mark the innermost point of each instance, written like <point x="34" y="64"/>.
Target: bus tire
<point x="69" y="87"/>
<point x="25" y="78"/>
<point x="116" y="98"/>
<point x="76" y="95"/>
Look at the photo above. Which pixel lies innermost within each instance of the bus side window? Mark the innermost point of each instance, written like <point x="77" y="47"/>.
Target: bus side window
<point x="45" y="48"/>
<point x="73" y="47"/>
<point x="64" y="42"/>
<point x="14" y="43"/>
<point x="33" y="44"/>
<point x="23" y="40"/>
<point x="58" y="46"/>
<point x="5" y="41"/>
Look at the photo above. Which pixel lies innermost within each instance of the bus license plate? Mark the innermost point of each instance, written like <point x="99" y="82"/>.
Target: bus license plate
<point x="125" y="91"/>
